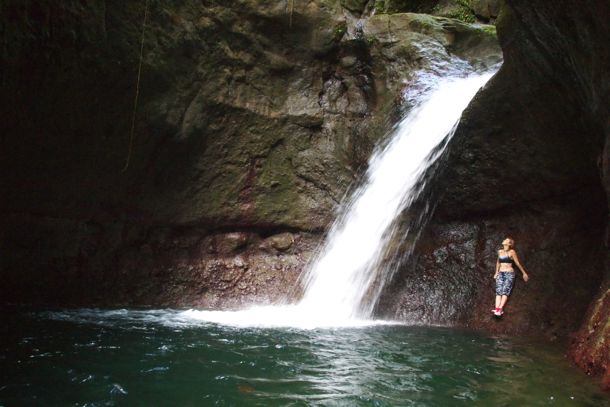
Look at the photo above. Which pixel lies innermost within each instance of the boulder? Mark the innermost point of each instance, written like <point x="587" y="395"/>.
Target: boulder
<point x="355" y="6"/>
<point x="282" y="241"/>
<point x="487" y="9"/>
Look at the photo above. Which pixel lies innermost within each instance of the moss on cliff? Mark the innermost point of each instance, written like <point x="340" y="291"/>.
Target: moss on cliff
<point x="461" y="11"/>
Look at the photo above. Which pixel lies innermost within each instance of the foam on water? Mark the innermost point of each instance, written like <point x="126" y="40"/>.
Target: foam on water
<point x="294" y="316"/>
<point x="284" y="316"/>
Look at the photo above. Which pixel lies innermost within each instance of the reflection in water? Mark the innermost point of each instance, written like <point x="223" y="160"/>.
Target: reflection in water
<point x="159" y="358"/>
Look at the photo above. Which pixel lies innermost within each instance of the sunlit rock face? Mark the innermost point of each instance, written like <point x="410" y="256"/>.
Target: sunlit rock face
<point x="530" y="161"/>
<point x="253" y="119"/>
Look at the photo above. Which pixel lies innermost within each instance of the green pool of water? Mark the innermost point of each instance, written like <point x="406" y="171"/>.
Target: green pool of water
<point x="160" y="358"/>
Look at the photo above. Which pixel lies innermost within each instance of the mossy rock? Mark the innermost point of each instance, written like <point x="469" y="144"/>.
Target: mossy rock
<point x="457" y="9"/>
<point x="405" y="6"/>
<point x="417" y="34"/>
<point x="403" y="28"/>
<point x="487" y="9"/>
<point x="355" y="6"/>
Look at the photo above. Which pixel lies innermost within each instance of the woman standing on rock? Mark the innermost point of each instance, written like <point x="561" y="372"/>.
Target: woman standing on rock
<point x="505" y="274"/>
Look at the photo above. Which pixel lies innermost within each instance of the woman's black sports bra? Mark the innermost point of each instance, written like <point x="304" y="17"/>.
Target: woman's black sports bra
<point x="506" y="259"/>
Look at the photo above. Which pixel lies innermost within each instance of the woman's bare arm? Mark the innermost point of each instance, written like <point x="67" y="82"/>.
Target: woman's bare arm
<point x="518" y="263"/>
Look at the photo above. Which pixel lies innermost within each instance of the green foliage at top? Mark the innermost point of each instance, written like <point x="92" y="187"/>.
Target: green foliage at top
<point x="464" y="12"/>
<point x="340" y="31"/>
<point x="489" y="29"/>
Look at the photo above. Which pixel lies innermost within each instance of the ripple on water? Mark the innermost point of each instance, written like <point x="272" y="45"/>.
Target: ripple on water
<point x="117" y="389"/>
<point x="208" y="364"/>
<point x="156" y="369"/>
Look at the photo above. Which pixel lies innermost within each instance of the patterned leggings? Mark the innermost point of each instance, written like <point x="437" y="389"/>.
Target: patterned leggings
<point x="505" y="282"/>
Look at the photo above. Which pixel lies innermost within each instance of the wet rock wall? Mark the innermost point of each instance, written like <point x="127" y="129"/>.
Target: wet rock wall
<point x="253" y="120"/>
<point x="529" y="160"/>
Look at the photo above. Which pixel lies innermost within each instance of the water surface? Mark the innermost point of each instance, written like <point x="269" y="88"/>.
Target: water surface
<point x="166" y="358"/>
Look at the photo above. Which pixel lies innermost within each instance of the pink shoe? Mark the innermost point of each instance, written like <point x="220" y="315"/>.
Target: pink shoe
<point x="500" y="312"/>
<point x="495" y="311"/>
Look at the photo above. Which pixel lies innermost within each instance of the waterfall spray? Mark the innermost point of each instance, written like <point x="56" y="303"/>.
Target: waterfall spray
<point x="338" y="283"/>
<point x="343" y="283"/>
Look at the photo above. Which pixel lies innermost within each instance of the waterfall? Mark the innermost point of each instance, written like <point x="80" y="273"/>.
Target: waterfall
<point x="343" y="283"/>
<point x="338" y="282"/>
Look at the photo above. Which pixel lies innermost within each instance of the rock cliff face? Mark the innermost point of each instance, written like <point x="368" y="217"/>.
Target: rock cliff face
<point x="235" y="101"/>
<point x="528" y="161"/>
<point x="253" y="120"/>
<point x="584" y="71"/>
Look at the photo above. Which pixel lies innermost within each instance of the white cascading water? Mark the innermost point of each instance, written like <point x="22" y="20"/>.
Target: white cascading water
<point x="337" y="284"/>
<point x="343" y="282"/>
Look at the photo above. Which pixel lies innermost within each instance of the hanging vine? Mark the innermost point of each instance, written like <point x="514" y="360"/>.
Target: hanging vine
<point x="291" y="11"/>
<point x="135" y="102"/>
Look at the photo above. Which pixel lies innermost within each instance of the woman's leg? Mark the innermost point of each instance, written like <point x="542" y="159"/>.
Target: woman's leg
<point x="509" y="282"/>
<point x="499" y="285"/>
<point x="503" y="300"/>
